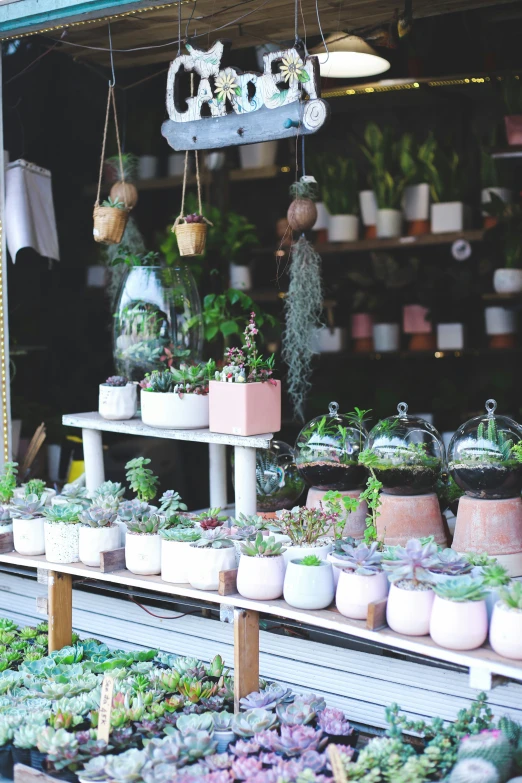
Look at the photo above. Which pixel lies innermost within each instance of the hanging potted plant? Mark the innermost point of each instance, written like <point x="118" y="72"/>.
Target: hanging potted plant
<point x="389" y="182"/>
<point x="505" y="634"/>
<point x="98" y="533"/>
<point x="123" y="188"/>
<point x="214" y="552"/>
<point x="244" y="398"/>
<point x="261" y="571"/>
<point x="448" y="176"/>
<point x="309" y="583"/>
<point x="411" y="597"/>
<point x="306" y="529"/>
<point x="302" y="212"/>
<point x="459" y="618"/>
<point x="177" y="398"/>
<point x="504" y="241"/>
<point x="175" y="543"/>
<point x="28" y="525"/>
<point x="117" y="399"/>
<point x="341" y="199"/>
<point x="512" y="96"/>
<point x="62" y="533"/>
<point x="191" y="230"/>
<point x="416" y="200"/>
<point x="361" y="579"/>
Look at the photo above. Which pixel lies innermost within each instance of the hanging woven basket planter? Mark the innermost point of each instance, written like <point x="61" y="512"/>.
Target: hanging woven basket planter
<point x="109" y="224"/>
<point x="191" y="230"/>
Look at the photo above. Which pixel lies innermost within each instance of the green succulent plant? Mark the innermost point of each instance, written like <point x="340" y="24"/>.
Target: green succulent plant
<point x="491" y="746"/>
<point x="263" y="546"/>
<point x="185" y="535"/>
<point x="464" y="588"/>
<point x="495" y="575"/>
<point x="113" y="488"/>
<point x="116" y="203"/>
<point x="97" y="517"/>
<point x="34" y="487"/>
<point x="148" y="524"/>
<point x="8" y="481"/>
<point x="310" y="560"/>
<point x="170" y="503"/>
<point x="68" y="514"/>
<point x="213" y="539"/>
<point x="141" y="479"/>
<point x="474" y="770"/>
<point x="512" y="596"/>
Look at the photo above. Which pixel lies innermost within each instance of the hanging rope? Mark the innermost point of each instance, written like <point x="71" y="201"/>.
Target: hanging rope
<point x="111" y="101"/>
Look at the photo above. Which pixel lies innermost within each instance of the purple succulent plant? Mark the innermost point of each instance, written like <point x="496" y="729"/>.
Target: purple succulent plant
<point x="412" y="562"/>
<point x="245" y="747"/>
<point x="245" y="766"/>
<point x="116" y="380"/>
<point x="313" y="760"/>
<point x="297" y="714"/>
<point x="293" y="740"/>
<point x="333" y="721"/>
<point x="218" y="761"/>
<point x="317" y="703"/>
<point x="259" y="699"/>
<point x="451" y="563"/>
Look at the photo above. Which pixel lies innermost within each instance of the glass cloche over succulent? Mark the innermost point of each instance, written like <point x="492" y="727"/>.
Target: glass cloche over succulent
<point x="327" y="451"/>
<point x="407" y="454"/>
<point x="485" y="456"/>
<point x="278" y="483"/>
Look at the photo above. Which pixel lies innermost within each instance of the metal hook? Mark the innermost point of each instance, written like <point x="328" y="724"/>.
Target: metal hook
<point x="491" y="407"/>
<point x="113" y="83"/>
<point x="333" y="408"/>
<point x="402" y="409"/>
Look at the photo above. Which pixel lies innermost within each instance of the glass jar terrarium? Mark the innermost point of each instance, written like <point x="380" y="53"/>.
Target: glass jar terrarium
<point x="409" y="454"/>
<point x="327" y="451"/>
<point x="278" y="482"/>
<point x="481" y="457"/>
<point x="157" y="318"/>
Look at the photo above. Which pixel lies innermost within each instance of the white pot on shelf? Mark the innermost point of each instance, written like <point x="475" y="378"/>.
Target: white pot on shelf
<point x="95" y="540"/>
<point x="172" y="411"/>
<point x="449" y="216"/>
<point x="62" y="542"/>
<point x="356" y="591"/>
<point x="389" y="223"/>
<point x="309" y="587"/>
<point x="322" y="217"/>
<point x="507" y="281"/>
<point x="458" y="625"/>
<point x="386" y="337"/>
<point x="117" y="403"/>
<point x="326" y="340"/>
<point x="147" y="166"/>
<point x="500" y="320"/>
<point x="205" y="563"/>
<point x="450" y="337"/>
<point x="240" y="277"/>
<point x="174" y="561"/>
<point x="368" y="206"/>
<point x="320" y="550"/>
<point x="28" y="536"/>
<point x="343" y="228"/>
<point x="503" y="193"/>
<point x="122" y="527"/>
<point x="261" y="578"/>
<point x="176" y="164"/>
<point x="143" y="553"/>
<point x="409" y="611"/>
<point x="416" y="202"/>
<point x="505" y="633"/>
<point x="254" y="156"/>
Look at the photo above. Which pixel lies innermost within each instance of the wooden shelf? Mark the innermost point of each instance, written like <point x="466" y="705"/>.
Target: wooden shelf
<point x="466" y="353"/>
<point x="494" y="297"/>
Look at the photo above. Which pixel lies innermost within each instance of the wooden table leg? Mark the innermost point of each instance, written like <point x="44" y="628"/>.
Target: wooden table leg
<point x="93" y="457"/>
<point x="60" y="610"/>
<point x="246" y="654"/>
<point x="245" y="480"/>
<point x="217" y="453"/>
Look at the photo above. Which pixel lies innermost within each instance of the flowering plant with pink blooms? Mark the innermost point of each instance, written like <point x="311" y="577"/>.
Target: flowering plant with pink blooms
<point x="246" y="365"/>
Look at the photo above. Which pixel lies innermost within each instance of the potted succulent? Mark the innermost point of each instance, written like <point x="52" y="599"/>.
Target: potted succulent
<point x="72" y="493"/>
<point x="62" y="533"/>
<point x="512" y="95"/>
<point x="261" y="571"/>
<point x="98" y="533"/>
<point x="306" y="529"/>
<point x="338" y="730"/>
<point x="383" y="154"/>
<point x="361" y="579"/>
<point x="411" y="594"/>
<point x="341" y="200"/>
<point x="244" y="398"/>
<point x="28" y="525"/>
<point x="459" y="618"/>
<point x="491" y="180"/>
<point x="309" y="583"/>
<point x="450" y="565"/>
<point x="504" y="241"/>
<point x="494" y="577"/>
<point x="143" y="544"/>
<point x="177" y="398"/>
<point x="175" y="543"/>
<point x="223" y="731"/>
<point x="505" y="633"/>
<point x="110" y="221"/>
<point x="117" y="399"/>
<point x="127" y="510"/>
<point x="35" y="487"/>
<point x="124" y="189"/>
<point x="447" y="177"/>
<point x="416" y="200"/>
<point x="237" y="238"/>
<point x="141" y="479"/>
<point x="8" y="482"/>
<point x="214" y="552"/>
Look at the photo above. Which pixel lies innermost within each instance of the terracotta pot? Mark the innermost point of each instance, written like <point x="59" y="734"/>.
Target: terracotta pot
<point x="410" y="516"/>
<point x="417" y="228"/>
<point x="363" y="345"/>
<point x="370" y="232"/>
<point x="261" y="578"/>
<point x="309" y="587"/>
<point x="320" y="550"/>
<point x="513" y="123"/>
<point x="355" y="521"/>
<point x="409" y="611"/>
<point x="355" y="592"/>
<point x="143" y="553"/>
<point x="95" y="540"/>
<point x="28" y="536"/>
<point x="501" y="342"/>
<point x="459" y="625"/>
<point x="422" y="342"/>
<point x="493" y="527"/>
<point x="505" y="633"/>
<point x="415" y="320"/>
<point x="362" y="326"/>
<point x="244" y="408"/>
<point x="488" y="221"/>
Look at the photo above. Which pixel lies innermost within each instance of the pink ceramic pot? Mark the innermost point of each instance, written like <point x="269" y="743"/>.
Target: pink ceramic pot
<point x="244" y="408"/>
<point x="261" y="578"/>
<point x="459" y="625"/>
<point x="513" y="124"/>
<point x="355" y="592"/>
<point x="505" y="633"/>
<point x="414" y="320"/>
<point x="362" y="326"/>
<point x="409" y="611"/>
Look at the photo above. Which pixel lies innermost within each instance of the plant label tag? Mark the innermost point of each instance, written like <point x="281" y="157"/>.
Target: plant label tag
<point x="104" y="714"/>
<point x="461" y="250"/>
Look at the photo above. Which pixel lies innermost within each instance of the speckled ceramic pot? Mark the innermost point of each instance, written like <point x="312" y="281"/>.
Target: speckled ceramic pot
<point x="62" y="541"/>
<point x="28" y="536"/>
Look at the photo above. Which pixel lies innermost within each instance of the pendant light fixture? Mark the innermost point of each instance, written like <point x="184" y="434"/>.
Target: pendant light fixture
<point x="348" y="57"/>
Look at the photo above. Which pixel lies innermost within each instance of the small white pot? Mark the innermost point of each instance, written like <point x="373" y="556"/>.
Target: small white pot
<point x="261" y="578"/>
<point x="331" y="558"/>
<point x="459" y="625"/>
<point x="215" y="160"/>
<point x="343" y="228"/>
<point x="143" y="553"/>
<point x="176" y="164"/>
<point x="61" y="542"/>
<point x="409" y="611"/>
<point x="450" y="337"/>
<point x="322" y="217"/>
<point x="254" y="156"/>
<point x="205" y="563"/>
<point x="94" y="540"/>
<point x="309" y="587"/>
<point x="117" y="403"/>
<point x="240" y="277"/>
<point x="326" y="340"/>
<point x="503" y="193"/>
<point x="386" y="337"/>
<point x="28" y="536"/>
<point x="491" y="600"/>
<point x="298" y="552"/>
<point x="224" y="737"/>
<point x="368" y="205"/>
<point x="416" y="202"/>
<point x="449" y="216"/>
<point x="147" y="166"/>
<point x="507" y="281"/>
<point x="389" y="223"/>
<point x="174" y="561"/>
<point x="505" y="633"/>
<point x="500" y="320"/>
<point x="122" y="527"/>
<point x="355" y="592"/>
<point x="174" y="412"/>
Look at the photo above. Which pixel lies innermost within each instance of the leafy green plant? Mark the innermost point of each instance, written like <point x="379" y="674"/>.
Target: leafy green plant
<point x="141" y="479"/>
<point x="170" y="502"/>
<point x="383" y="153"/>
<point x="8" y="481"/>
<point x="311" y="560"/>
<point x="305" y="526"/>
<point x="464" y="588"/>
<point x="341" y="186"/>
<point x="446" y="174"/>
<point x="116" y="203"/>
<point x="34" y="487"/>
<point x="238" y="239"/>
<point x="262" y="546"/>
<point x="495" y="575"/>
<point x="224" y="315"/>
<point x="504" y="239"/>
<point x="512" y="596"/>
<point x="371" y="494"/>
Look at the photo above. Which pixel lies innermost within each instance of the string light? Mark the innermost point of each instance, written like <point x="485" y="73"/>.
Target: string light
<point x="366" y="89"/>
<point x="5" y="424"/>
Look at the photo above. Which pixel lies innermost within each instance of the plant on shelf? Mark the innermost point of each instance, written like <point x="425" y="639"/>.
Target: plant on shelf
<point x="371" y="494"/>
<point x="446" y="173"/>
<point x="62" y="533"/>
<point x="214" y="539"/>
<point x="97" y="517"/>
<point x="450" y="564"/>
<point x="28" y="507"/>
<point x="8" y="481"/>
<point x="238" y="238"/>
<point x="460" y="590"/>
<point x="383" y="153"/>
<point x="68" y="514"/>
<point x="213" y="553"/>
<point x="361" y="559"/>
<point x="411" y="596"/>
<point x="305" y="526"/>
<point x="170" y="503"/>
<point x="76" y="494"/>
<point x="181" y="535"/>
<point x="503" y="239"/>
<point x="310" y="560"/>
<point x="209" y="520"/>
<point x="187" y="379"/>
<point x="141" y="479"/>
<point x="415" y="157"/>
<point x="145" y="525"/>
<point x="340" y="190"/>
<point x="34" y="487"/>
<point x="246" y="365"/>
<point x="262" y="546"/>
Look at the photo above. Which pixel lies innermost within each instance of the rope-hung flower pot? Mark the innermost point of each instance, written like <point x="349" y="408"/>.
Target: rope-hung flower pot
<point x="191" y="230"/>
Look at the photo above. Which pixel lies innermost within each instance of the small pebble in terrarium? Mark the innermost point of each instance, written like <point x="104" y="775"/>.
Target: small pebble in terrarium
<point x="485" y="456"/>
<point x="327" y="451"/>
<point x="278" y="483"/>
<point x="408" y="454"/>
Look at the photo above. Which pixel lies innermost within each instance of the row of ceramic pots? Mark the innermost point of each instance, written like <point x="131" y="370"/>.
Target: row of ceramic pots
<point x="63" y="542"/>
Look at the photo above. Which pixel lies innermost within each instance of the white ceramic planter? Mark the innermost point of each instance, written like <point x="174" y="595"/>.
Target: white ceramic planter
<point x="449" y="216"/>
<point x="61" y="542"/>
<point x="368" y="206"/>
<point x="321" y="224"/>
<point x="117" y="403"/>
<point x="224" y="738"/>
<point x="205" y="563"/>
<point x="389" y="223"/>
<point x="261" y="578"/>
<point x="355" y="592"/>
<point x="503" y="193"/>
<point x="298" y="552"/>
<point x="143" y="553"/>
<point x="416" y="202"/>
<point x="170" y="411"/>
<point x="174" y="561"/>
<point x="122" y="527"/>
<point x="458" y="625"/>
<point x="335" y="561"/>
<point x="147" y="166"/>
<point x="28" y="536"/>
<point x="326" y="340"/>
<point x="505" y="633"/>
<point x="176" y="164"/>
<point x="386" y="337"/>
<point x="500" y="320"/>
<point x="254" y="156"/>
<point x="215" y="161"/>
<point x="309" y="587"/>
<point x="94" y="540"/>
<point x="343" y="228"/>
<point x="491" y="600"/>
<point x="450" y="337"/>
<point x="409" y="611"/>
<point x="240" y="277"/>
<point x="507" y="281"/>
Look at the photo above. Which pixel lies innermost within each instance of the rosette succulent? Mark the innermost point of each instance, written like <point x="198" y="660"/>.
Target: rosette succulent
<point x="267" y="699"/>
<point x="28" y="507"/>
<point x="146" y="525"/>
<point x="68" y="514"/>
<point x="262" y="546"/>
<point x="361" y="559"/>
<point x="170" y="503"/>
<point x="412" y="563"/>
<point x="95" y="516"/>
<point x="74" y="493"/>
<point x="495" y="575"/>
<point x="184" y="535"/>
<point x="293" y="740"/>
<point x="251" y="722"/>
<point x="451" y="563"/>
<point x="112" y="488"/>
<point x="296" y="714"/>
<point x="133" y="508"/>
<point x="213" y="539"/>
<point x="333" y="721"/>
<point x="211" y="519"/>
<point x="511" y="596"/>
<point x="463" y="589"/>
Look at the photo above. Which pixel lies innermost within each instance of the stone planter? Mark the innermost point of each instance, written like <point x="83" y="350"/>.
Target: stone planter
<point x="62" y="542"/>
<point x="409" y="611"/>
<point x="320" y="550"/>
<point x="94" y="540"/>
<point x="172" y="411"/>
<point x="117" y="403"/>
<point x="309" y="587"/>
<point x="244" y="408"/>
<point x="459" y="625"/>
<point x="261" y="578"/>
<point x="507" y="281"/>
<point x="505" y="633"/>
<point x="143" y="553"/>
<point x="28" y="536"/>
<point x="356" y="591"/>
<point x="343" y="228"/>
<point x="389" y="223"/>
<point x="205" y="563"/>
<point x="174" y="561"/>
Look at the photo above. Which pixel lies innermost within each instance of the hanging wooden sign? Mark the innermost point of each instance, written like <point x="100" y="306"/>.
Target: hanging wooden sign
<point x="230" y="107"/>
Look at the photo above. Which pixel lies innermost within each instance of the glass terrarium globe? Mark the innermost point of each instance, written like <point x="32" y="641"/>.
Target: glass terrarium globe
<point x="158" y="317"/>
<point x="481" y="458"/>
<point x="278" y="483"/>
<point x="327" y="451"/>
<point x="409" y="454"/>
